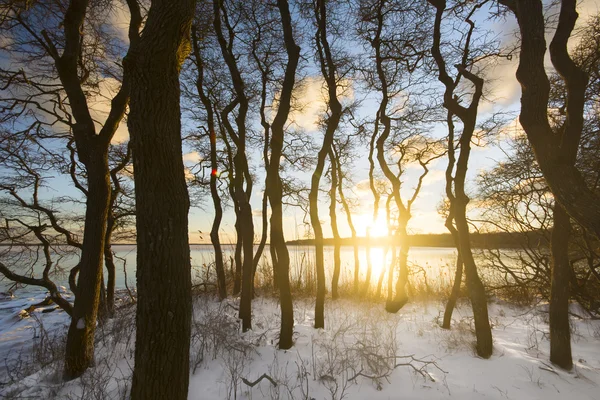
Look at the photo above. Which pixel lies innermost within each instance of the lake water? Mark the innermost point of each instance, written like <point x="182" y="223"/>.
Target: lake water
<point x="437" y="262"/>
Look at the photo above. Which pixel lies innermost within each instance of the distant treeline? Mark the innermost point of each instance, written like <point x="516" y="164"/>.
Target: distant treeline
<point x="478" y="240"/>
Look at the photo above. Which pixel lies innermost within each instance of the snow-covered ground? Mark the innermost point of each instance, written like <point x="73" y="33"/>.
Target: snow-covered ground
<point x="364" y="353"/>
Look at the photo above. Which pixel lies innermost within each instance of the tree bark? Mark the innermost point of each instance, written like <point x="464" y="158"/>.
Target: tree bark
<point x="274" y="186"/>
<point x="328" y="70"/>
<point x="451" y="303"/>
<point x="560" y="330"/>
<point x="164" y="303"/>
<point x="80" y="338"/>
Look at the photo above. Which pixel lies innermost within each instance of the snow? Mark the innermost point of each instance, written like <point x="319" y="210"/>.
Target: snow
<point x="324" y="364"/>
<point x="80" y="323"/>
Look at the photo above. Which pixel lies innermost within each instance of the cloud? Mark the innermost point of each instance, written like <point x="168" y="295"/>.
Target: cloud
<point x="310" y="101"/>
<point x="192" y="157"/>
<point x="100" y="105"/>
<point x="434" y="176"/>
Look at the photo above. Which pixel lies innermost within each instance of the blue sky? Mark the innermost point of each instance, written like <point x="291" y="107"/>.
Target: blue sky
<point x="503" y="94"/>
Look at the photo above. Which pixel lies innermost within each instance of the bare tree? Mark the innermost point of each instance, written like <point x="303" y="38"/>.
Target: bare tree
<point x="328" y="69"/>
<point x="62" y="59"/>
<point x="274" y="185"/>
<point x="556" y="149"/>
<point x="459" y="199"/>
<point x="396" y="55"/>
<point x="214" y="165"/>
<point x="244" y="222"/>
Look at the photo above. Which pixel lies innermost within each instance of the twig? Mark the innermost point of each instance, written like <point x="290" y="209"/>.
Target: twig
<point x="256" y="382"/>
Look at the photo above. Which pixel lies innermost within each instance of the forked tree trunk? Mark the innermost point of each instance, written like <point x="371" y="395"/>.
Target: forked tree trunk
<point x="164" y="301"/>
<point x="560" y="329"/>
<point x="92" y="151"/>
<point x="553" y="151"/>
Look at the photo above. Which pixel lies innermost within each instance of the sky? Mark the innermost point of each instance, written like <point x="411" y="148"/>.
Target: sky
<point x="503" y="93"/>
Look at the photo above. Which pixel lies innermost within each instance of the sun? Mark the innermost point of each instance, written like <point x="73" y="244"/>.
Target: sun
<point x="378" y="227"/>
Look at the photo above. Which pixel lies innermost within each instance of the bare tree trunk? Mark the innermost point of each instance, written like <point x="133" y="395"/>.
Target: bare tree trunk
<point x="237" y="278"/>
<point x="451" y="303"/>
<point x="337" y="262"/>
<point x="450" y="225"/>
<point x="560" y="329"/>
<point x="164" y="301"/>
<point x="328" y="70"/>
<point x="274" y="186"/>
<point x="214" y="192"/>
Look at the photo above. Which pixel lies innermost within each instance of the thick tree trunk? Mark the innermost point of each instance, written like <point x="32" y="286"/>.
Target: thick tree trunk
<point x="164" y="303"/>
<point x="560" y="330"/>
<point x="80" y="338"/>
